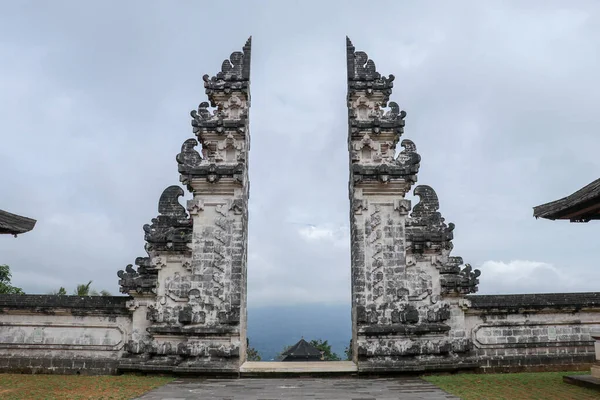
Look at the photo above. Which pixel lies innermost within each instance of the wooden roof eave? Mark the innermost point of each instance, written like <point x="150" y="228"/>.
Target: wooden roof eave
<point x="582" y="205"/>
<point x="15" y="224"/>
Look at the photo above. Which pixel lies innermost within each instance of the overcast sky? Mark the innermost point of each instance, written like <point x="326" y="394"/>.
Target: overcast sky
<point x="502" y="101"/>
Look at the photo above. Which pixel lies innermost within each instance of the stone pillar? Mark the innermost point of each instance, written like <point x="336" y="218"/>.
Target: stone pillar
<point x="596" y="366"/>
<point x="401" y="320"/>
<point x="190" y="292"/>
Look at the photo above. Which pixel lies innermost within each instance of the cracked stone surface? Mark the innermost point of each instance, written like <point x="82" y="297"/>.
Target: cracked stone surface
<point x="299" y="388"/>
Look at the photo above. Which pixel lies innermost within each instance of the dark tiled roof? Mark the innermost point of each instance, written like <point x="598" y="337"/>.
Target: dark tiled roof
<point x="303" y="349"/>
<point x="76" y="305"/>
<point x="15" y="224"/>
<point x="536" y="301"/>
<point x="581" y="206"/>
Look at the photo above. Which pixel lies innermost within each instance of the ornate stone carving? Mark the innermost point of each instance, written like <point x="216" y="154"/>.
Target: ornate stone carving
<point x="172" y="229"/>
<point x="363" y="75"/>
<point x="142" y="280"/>
<point x="426" y="229"/>
<point x="463" y="282"/>
<point x="195" y="206"/>
<point x="189" y="158"/>
<point x="234" y="75"/>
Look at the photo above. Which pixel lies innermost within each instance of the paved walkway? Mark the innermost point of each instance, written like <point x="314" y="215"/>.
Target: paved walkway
<point x="299" y="388"/>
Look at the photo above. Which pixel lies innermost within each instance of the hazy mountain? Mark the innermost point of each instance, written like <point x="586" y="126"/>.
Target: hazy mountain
<point x="272" y="328"/>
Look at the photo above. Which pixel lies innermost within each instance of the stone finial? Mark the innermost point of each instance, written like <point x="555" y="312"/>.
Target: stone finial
<point x="169" y="205"/>
<point x="172" y="229"/>
<point x="428" y="205"/>
<point x="425" y="228"/>
<point x="463" y="282"/>
<point x="189" y="158"/>
<point x="234" y="75"/>
<point x="360" y="66"/>
<point x="142" y="280"/>
<point x="363" y="75"/>
<point x="202" y="114"/>
<point x="409" y="159"/>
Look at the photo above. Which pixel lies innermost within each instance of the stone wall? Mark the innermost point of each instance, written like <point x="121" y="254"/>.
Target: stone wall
<point x="62" y="334"/>
<point x="530" y="332"/>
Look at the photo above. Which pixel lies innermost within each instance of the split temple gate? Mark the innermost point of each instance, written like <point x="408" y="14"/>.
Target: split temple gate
<point x="412" y="307"/>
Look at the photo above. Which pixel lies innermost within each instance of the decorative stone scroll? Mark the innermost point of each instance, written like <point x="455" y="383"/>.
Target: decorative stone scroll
<point x="172" y="229"/>
<point x="142" y="280"/>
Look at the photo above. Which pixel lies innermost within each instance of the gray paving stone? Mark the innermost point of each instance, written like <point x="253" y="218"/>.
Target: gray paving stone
<point x="299" y="388"/>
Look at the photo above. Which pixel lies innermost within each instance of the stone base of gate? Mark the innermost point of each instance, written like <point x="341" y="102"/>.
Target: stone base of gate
<point x="213" y="369"/>
<point x="300" y="368"/>
<point x="391" y="365"/>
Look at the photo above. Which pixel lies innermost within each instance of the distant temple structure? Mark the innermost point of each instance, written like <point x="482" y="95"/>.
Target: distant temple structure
<point x="581" y="206"/>
<point x="302" y="351"/>
<point x="13" y="224"/>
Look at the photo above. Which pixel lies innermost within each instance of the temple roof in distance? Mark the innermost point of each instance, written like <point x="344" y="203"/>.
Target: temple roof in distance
<point x="302" y="349"/>
<point x="15" y="224"/>
<point x="581" y="206"/>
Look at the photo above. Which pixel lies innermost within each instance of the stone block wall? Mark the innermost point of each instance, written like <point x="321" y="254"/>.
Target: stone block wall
<point x="53" y="334"/>
<point x="530" y="332"/>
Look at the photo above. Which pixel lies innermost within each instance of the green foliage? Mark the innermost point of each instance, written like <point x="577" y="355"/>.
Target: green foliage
<point x="5" y="286"/>
<point x="280" y="355"/>
<point x="83" y="289"/>
<point x="60" y="292"/>
<point x="86" y="290"/>
<point x="348" y="351"/>
<point x="522" y="386"/>
<point x="325" y="348"/>
<point x="71" y="387"/>
<point x="251" y="353"/>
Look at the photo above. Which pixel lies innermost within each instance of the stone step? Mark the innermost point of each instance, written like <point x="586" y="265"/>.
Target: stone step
<point x="314" y="368"/>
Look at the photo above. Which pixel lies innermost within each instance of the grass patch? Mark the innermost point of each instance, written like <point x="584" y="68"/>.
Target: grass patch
<point x="522" y="386"/>
<point x="72" y="387"/>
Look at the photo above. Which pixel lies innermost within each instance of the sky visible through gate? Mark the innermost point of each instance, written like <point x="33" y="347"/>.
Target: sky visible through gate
<point x="501" y="99"/>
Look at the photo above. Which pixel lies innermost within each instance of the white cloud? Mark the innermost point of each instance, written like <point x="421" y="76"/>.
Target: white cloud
<point x="523" y="276"/>
<point x="338" y="236"/>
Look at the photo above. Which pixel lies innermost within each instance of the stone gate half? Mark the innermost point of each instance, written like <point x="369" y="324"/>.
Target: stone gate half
<point x="189" y="293"/>
<point x="406" y="288"/>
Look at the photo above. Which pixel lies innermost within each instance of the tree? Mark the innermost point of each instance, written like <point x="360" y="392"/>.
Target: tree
<point x="325" y="348"/>
<point x="5" y="286"/>
<point x="86" y="290"/>
<point x="83" y="289"/>
<point x="251" y="353"/>
<point x="280" y="355"/>
<point x="60" y="292"/>
<point x="348" y="351"/>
